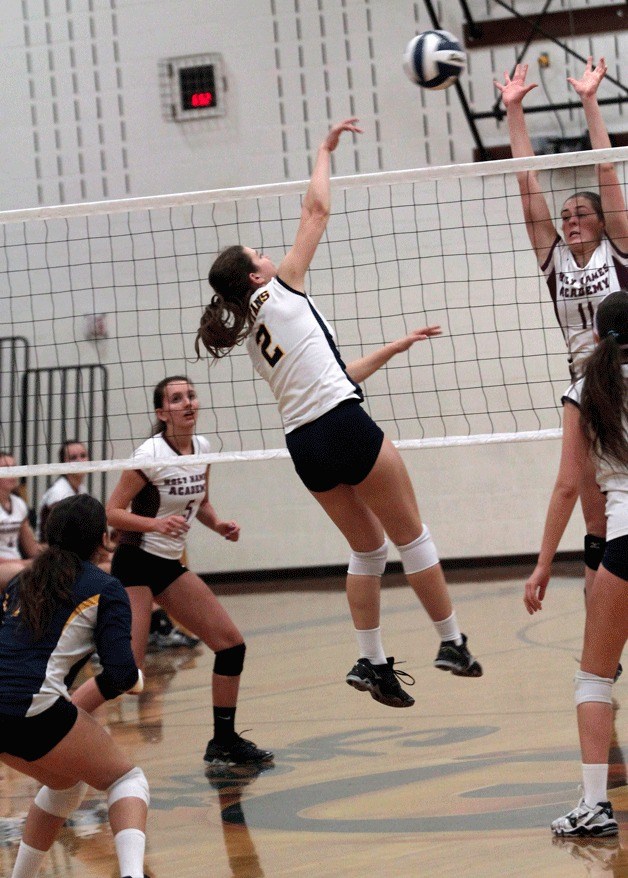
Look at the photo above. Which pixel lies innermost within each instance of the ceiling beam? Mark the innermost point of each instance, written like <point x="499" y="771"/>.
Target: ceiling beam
<point x="574" y="23"/>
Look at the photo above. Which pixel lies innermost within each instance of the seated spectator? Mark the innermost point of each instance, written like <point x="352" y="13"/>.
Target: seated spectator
<point x="18" y="545"/>
<point x="65" y="486"/>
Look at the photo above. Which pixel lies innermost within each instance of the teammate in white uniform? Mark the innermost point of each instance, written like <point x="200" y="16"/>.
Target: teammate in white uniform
<point x="595" y="425"/>
<point x="17" y="540"/>
<point x="65" y="486"/>
<point x="340" y="454"/>
<point x="164" y="498"/>
<point x="582" y="267"/>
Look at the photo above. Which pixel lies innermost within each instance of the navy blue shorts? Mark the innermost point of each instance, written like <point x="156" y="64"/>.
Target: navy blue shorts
<point x="31" y="737"/>
<point x="133" y="566"/>
<point x="615" y="558"/>
<point x="339" y="448"/>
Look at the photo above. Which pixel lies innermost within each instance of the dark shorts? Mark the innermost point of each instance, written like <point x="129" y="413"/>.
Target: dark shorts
<point x="339" y="448"/>
<point x="31" y="737"/>
<point x="615" y="558"/>
<point x="133" y="566"/>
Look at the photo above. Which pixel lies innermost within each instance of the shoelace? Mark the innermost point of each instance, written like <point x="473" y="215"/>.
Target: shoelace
<point x="406" y="678"/>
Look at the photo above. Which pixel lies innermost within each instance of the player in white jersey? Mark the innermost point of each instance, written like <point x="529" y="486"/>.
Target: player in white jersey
<point x="17" y="540"/>
<point x="152" y="508"/>
<point x="340" y="454"/>
<point x="68" y="485"/>
<point x="595" y="424"/>
<point x="589" y="261"/>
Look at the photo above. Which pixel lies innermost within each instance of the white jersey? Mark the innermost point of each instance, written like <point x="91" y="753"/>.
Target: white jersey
<point x="292" y="347"/>
<point x="170" y="490"/>
<point x="59" y="490"/>
<point x="576" y="292"/>
<point x="10" y="524"/>
<point x="611" y="476"/>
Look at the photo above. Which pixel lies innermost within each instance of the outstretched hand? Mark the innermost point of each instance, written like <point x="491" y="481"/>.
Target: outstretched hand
<point x="405" y="343"/>
<point x="588" y="83"/>
<point x="331" y="141"/>
<point x="514" y="90"/>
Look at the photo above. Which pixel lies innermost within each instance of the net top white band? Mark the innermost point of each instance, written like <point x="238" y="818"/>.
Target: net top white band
<point x="471" y="169"/>
<point x="56" y="469"/>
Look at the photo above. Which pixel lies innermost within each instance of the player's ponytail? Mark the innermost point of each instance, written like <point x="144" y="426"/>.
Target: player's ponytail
<point x="227" y="320"/>
<point x="604" y="403"/>
<point x="74" y="532"/>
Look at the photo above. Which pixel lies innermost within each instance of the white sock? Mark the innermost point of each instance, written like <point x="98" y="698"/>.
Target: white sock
<point x="130" y="845"/>
<point x="594" y="783"/>
<point x="370" y="645"/>
<point x="28" y="861"/>
<point x="448" y="629"/>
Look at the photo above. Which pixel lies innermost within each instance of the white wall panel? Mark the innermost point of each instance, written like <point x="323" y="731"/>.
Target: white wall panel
<point x="96" y="130"/>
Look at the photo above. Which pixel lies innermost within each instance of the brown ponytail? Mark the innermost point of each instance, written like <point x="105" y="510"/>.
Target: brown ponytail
<point x="74" y="531"/>
<point x="227" y="321"/>
<point x="604" y="403"/>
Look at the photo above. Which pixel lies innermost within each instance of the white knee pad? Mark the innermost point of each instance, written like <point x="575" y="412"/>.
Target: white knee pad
<point x="61" y="803"/>
<point x="590" y="687"/>
<point x="369" y="563"/>
<point x="132" y="785"/>
<point x="420" y="554"/>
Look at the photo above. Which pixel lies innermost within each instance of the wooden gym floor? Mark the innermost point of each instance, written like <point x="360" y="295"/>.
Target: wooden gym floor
<point x="464" y="783"/>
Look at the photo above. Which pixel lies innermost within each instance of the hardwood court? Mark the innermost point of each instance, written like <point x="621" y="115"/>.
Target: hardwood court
<point x="464" y="783"/>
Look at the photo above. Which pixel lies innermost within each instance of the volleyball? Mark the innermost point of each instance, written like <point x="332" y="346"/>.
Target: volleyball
<point x="434" y="59"/>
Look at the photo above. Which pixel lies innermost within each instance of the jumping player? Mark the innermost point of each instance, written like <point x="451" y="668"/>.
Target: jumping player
<point x="164" y="498"/>
<point x="583" y="266"/>
<point x="595" y="424"/>
<point x="54" y="615"/>
<point x="340" y="454"/>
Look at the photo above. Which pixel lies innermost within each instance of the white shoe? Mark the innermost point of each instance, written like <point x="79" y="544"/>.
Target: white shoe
<point x="586" y="821"/>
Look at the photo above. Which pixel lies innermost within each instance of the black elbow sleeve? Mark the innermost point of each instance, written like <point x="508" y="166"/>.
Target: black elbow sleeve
<point x="113" y="684"/>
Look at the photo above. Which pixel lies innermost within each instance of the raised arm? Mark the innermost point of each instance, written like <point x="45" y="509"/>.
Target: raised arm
<point x="613" y="203"/>
<point x="360" y="369"/>
<point x="566" y="489"/>
<point x="538" y="219"/>
<point x="314" y="211"/>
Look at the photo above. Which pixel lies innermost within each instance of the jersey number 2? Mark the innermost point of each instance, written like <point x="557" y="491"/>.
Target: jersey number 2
<point x="263" y="339"/>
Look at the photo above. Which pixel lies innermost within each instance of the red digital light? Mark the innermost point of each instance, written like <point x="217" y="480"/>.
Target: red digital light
<point x="199" y="94"/>
<point x="202" y="99"/>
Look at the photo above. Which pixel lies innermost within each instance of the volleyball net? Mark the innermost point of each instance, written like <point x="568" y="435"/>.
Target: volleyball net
<point x="102" y="301"/>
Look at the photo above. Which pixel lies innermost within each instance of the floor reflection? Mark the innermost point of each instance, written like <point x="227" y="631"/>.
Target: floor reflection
<point x="230" y="782"/>
<point x="599" y="856"/>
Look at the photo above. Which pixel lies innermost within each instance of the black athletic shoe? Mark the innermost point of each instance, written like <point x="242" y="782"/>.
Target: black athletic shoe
<point x="618" y="672"/>
<point x="238" y="751"/>
<point x="381" y="681"/>
<point x="174" y="639"/>
<point x="457" y="659"/>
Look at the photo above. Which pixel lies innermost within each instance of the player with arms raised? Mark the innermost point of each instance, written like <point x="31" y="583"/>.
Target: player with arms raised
<point x="341" y="455"/>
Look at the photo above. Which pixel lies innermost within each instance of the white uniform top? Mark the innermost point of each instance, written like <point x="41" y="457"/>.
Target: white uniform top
<point x="10" y="524"/>
<point x="576" y="292"/>
<point x="170" y="490"/>
<point x="611" y="476"/>
<point x="292" y="347"/>
<point x="59" y="490"/>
